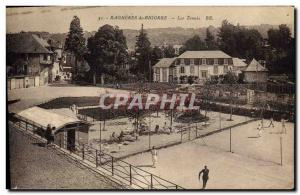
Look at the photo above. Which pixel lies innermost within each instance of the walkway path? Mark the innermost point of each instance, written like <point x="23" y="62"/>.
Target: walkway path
<point x="35" y="167"/>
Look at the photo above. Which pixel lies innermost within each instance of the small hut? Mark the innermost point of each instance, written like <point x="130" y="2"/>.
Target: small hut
<point x="255" y="72"/>
<point x="68" y="131"/>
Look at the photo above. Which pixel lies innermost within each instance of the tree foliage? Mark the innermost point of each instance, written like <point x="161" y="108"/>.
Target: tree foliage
<point x="169" y="52"/>
<point x="281" y="55"/>
<point x="210" y="41"/>
<point x="75" y="41"/>
<point x="142" y="53"/>
<point x="107" y="51"/>
<point x="240" y="42"/>
<point x="194" y="44"/>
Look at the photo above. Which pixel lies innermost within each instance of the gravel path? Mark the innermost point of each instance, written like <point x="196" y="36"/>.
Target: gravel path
<point x="36" y="167"/>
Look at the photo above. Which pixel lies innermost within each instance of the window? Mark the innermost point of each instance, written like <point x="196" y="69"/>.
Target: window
<point x="225" y="68"/>
<point x="221" y="61"/>
<point x="45" y="57"/>
<point x="192" y="69"/>
<point x="187" y="61"/>
<point x="225" y="61"/>
<point x="210" y="61"/>
<point x="182" y="69"/>
<point x="203" y="61"/>
<point x="164" y="75"/>
<point x="197" y="61"/>
<point x="192" y="61"/>
<point x="177" y="61"/>
<point x="157" y="70"/>
<point x="215" y="61"/>
<point x="204" y="74"/>
<point x="181" y="61"/>
<point x="215" y="69"/>
<point x="230" y="62"/>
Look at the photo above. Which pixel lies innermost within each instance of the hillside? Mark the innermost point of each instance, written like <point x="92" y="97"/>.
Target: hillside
<point x="171" y="36"/>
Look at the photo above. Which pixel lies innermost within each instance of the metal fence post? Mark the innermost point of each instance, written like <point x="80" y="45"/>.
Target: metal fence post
<point x="151" y="181"/>
<point x="82" y="151"/>
<point x="130" y="175"/>
<point x="96" y="158"/>
<point x="181" y="134"/>
<point x="112" y="165"/>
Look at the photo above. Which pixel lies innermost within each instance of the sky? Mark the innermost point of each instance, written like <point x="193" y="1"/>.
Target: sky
<point x="57" y="19"/>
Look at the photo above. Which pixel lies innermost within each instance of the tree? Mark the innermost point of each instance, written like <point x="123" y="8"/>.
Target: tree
<point x="210" y="42"/>
<point x="156" y="55"/>
<point x="230" y="78"/>
<point x="75" y="42"/>
<point x="142" y="53"/>
<point x="240" y="42"/>
<point x="107" y="52"/>
<point x="282" y="53"/>
<point x="194" y="44"/>
<point x="169" y="52"/>
<point x="280" y="38"/>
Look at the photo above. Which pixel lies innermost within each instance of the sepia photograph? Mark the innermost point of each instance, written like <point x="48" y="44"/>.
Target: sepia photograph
<point x="169" y="98"/>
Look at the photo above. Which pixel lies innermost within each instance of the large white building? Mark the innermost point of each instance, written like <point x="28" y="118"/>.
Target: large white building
<point x="201" y="65"/>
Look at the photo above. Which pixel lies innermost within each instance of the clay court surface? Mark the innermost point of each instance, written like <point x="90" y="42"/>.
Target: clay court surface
<point x="254" y="163"/>
<point x="37" y="95"/>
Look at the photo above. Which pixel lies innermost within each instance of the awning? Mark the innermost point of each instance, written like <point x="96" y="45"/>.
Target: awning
<point x="43" y="117"/>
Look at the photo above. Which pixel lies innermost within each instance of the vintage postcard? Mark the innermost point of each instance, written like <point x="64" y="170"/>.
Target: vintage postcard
<point x="151" y="98"/>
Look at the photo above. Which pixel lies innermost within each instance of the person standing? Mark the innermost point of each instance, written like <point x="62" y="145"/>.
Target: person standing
<point x="205" y="173"/>
<point x="48" y="134"/>
<point x="259" y="128"/>
<point x="154" y="157"/>
<point x="271" y="123"/>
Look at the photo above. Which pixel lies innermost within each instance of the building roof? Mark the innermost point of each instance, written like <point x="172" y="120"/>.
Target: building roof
<point x="204" y="54"/>
<point x="26" y="43"/>
<point x="44" y="117"/>
<point x="255" y="66"/>
<point x="164" y="63"/>
<point x="237" y="62"/>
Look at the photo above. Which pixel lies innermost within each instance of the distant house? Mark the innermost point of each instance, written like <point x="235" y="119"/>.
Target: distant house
<point x="177" y="49"/>
<point x="29" y="60"/>
<point x="68" y="66"/>
<point x="239" y="65"/>
<point x="202" y="65"/>
<point x="164" y="70"/>
<point x="57" y="48"/>
<point x="255" y="72"/>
